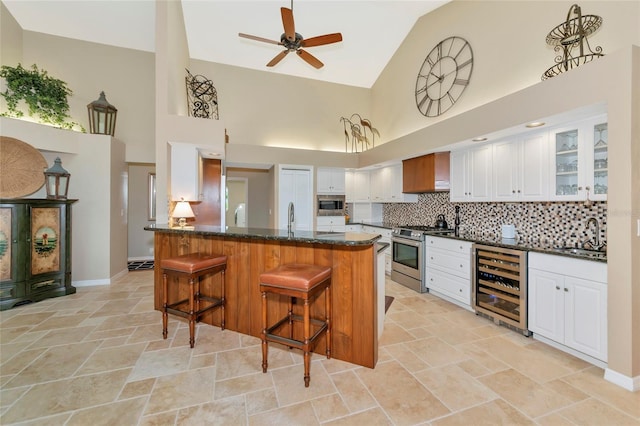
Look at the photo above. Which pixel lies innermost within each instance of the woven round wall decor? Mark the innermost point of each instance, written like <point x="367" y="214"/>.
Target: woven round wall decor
<point x="21" y="168"/>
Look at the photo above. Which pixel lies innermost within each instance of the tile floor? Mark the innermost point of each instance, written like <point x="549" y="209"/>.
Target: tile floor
<point x="97" y="357"/>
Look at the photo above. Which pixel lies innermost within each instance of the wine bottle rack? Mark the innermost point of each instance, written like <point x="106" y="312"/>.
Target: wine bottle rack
<point x="500" y="285"/>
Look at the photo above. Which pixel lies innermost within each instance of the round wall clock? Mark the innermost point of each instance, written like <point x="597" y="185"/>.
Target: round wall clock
<point x="444" y="75"/>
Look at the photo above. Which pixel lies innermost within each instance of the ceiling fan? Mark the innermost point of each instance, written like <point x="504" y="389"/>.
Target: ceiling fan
<point x="294" y="42"/>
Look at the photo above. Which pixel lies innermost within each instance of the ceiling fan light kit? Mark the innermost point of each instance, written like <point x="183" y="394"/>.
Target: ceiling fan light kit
<point x="294" y="42"/>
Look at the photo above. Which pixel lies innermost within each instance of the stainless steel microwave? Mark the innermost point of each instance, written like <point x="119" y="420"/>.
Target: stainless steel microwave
<point x="331" y="205"/>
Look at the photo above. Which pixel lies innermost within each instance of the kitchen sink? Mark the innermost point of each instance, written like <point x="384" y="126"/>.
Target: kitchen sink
<point x="597" y="254"/>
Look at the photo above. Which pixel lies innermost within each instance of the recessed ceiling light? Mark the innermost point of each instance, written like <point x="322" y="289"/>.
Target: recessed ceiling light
<point x="479" y="139"/>
<point x="536" y="124"/>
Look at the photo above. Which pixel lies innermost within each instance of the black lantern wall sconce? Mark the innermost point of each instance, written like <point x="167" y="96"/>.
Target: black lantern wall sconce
<point x="102" y="116"/>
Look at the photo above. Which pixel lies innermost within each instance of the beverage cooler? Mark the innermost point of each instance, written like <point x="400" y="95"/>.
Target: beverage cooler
<point x="500" y="285"/>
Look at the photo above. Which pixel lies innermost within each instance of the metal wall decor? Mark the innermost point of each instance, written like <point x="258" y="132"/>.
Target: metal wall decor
<point x="358" y="133"/>
<point x="202" y="97"/>
<point x="570" y="38"/>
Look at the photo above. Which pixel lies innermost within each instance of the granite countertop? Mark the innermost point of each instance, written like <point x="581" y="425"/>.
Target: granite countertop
<point x="546" y="247"/>
<point x="335" y="238"/>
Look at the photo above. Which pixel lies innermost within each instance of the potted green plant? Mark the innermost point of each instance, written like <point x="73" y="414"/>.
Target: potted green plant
<point x="45" y="96"/>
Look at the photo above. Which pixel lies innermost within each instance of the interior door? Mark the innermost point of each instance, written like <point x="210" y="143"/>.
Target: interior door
<point x="236" y="210"/>
<point x="296" y="186"/>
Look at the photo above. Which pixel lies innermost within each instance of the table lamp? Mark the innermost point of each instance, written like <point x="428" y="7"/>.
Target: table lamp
<point x="182" y="211"/>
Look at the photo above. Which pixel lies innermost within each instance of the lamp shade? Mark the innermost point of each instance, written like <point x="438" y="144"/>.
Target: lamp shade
<point x="57" y="180"/>
<point x="102" y="116"/>
<point x="182" y="211"/>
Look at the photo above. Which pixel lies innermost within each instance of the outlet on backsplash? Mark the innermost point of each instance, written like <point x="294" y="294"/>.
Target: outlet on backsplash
<point x="561" y="223"/>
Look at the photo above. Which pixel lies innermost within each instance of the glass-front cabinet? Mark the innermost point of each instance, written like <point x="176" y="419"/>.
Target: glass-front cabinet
<point x="580" y="159"/>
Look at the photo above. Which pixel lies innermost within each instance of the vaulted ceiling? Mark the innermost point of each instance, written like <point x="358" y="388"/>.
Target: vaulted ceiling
<point x="371" y="30"/>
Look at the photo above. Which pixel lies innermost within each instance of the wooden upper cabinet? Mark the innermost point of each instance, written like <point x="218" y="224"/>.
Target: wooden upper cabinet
<point x="427" y="173"/>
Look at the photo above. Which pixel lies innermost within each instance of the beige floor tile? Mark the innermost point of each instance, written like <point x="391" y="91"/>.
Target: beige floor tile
<point x="161" y="363"/>
<point x="372" y="417"/>
<point x="232" y="410"/>
<point x="394" y="334"/>
<point x="409" y="360"/>
<point x="63" y="337"/>
<point x="261" y="401"/>
<point x="20" y="320"/>
<point x="138" y="388"/>
<point x="57" y="362"/>
<point x="123" y="412"/>
<point x="161" y="419"/>
<point x="19" y="362"/>
<point x="596" y="413"/>
<point x="112" y="358"/>
<point x="354" y="393"/>
<point x="436" y="352"/>
<point x="531" y="397"/>
<point x="289" y="383"/>
<point x="590" y="381"/>
<point x="329" y="407"/>
<point x="181" y="390"/>
<point x="455" y="388"/>
<point x="496" y="412"/>
<point x="244" y="384"/>
<point x="298" y="414"/>
<point x="60" y="396"/>
<point x="401" y="396"/>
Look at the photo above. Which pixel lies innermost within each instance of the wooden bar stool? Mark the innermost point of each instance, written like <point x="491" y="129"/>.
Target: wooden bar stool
<point x="193" y="267"/>
<point x="302" y="281"/>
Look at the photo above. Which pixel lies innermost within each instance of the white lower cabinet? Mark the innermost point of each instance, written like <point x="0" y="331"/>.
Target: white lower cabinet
<point x="330" y="224"/>
<point x="385" y="238"/>
<point x="568" y="303"/>
<point x="448" y="269"/>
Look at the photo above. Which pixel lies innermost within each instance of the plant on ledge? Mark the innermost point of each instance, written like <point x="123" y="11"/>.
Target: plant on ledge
<point x="45" y="96"/>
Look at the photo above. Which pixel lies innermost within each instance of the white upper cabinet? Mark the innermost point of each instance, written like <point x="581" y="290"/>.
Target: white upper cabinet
<point x="470" y="177"/>
<point x="361" y="186"/>
<point x="186" y="172"/>
<point x="395" y="190"/>
<point x="579" y="161"/>
<point x="331" y="180"/>
<point x="521" y="169"/>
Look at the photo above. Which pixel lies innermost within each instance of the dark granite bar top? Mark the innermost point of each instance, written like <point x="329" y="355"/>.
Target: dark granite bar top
<point x="335" y="238"/>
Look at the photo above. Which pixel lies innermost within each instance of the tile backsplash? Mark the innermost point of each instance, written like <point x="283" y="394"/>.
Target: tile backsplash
<point x="559" y="223"/>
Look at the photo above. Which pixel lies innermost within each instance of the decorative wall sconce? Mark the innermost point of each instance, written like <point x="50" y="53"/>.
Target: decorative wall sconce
<point x="57" y="181"/>
<point x="182" y="211"/>
<point x="358" y="131"/>
<point x="102" y="116"/>
<point x="202" y="97"/>
<point x="572" y="35"/>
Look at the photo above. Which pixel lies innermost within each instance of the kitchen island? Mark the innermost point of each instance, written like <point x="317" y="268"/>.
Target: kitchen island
<point x="251" y="251"/>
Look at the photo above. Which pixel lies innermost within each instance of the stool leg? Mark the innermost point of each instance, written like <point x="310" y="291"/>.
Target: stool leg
<point x="223" y="300"/>
<point x="292" y="300"/>
<point x="165" y="316"/>
<point x="265" y="348"/>
<point x="192" y="322"/>
<point x="327" y="299"/>
<point x="305" y="347"/>
<point x="196" y="299"/>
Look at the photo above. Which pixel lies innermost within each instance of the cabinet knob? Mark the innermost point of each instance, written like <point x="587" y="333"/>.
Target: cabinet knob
<point x="460" y="290"/>
<point x="461" y="266"/>
<point x="431" y="257"/>
<point x="557" y="287"/>
<point x="518" y="191"/>
<point x="431" y="279"/>
<point x="566" y="289"/>
<point x="513" y="191"/>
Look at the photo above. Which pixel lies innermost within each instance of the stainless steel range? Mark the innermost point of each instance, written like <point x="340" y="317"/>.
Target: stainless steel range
<point x="407" y="248"/>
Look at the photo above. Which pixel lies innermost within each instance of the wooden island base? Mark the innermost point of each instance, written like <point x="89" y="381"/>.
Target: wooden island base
<point x="354" y="290"/>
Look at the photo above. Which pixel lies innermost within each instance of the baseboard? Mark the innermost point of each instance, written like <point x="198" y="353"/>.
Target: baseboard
<point x="106" y="281"/>
<point x="629" y="383"/>
<point x="577" y="354"/>
<point x="140" y="258"/>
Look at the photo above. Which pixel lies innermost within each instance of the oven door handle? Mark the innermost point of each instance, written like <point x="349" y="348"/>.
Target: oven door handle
<point x="412" y="243"/>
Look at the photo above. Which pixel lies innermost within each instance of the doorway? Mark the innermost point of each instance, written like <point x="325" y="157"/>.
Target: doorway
<point x="237" y="207"/>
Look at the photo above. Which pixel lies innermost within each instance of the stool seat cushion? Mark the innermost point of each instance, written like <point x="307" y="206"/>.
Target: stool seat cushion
<point x="297" y="276"/>
<point x="194" y="262"/>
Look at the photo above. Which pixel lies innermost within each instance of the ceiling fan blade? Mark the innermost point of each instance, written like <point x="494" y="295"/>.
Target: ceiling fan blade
<point x="287" y="23"/>
<point x="320" y="40"/>
<point x="252" y="37"/>
<point x="278" y="58"/>
<point x="309" y="58"/>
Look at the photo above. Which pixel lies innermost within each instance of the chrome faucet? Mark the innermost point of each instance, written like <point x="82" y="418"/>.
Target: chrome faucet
<point x="595" y="243"/>
<point x="292" y="217"/>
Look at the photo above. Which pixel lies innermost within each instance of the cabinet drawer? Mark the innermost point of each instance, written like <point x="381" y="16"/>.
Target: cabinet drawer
<point x="449" y="285"/>
<point x="45" y="284"/>
<point x="453" y="263"/>
<point x="330" y="220"/>
<point x="462" y="247"/>
<point x="11" y="291"/>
